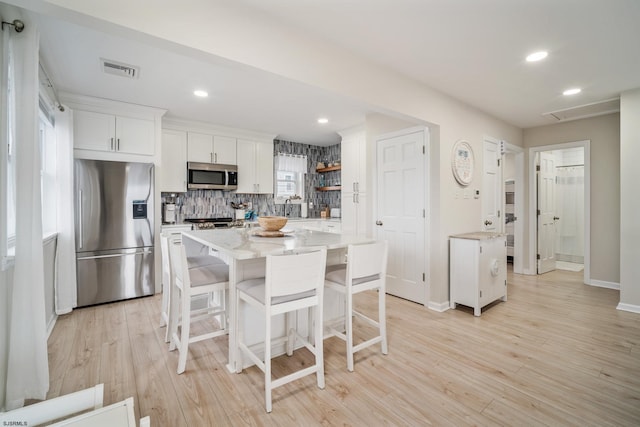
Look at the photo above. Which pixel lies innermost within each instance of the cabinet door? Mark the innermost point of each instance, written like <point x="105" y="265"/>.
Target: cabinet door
<point x="246" y="167"/>
<point x="173" y="171"/>
<point x="362" y="217"/>
<point x="135" y="136"/>
<point x="224" y="150"/>
<point x="349" y="213"/>
<point x="264" y="167"/>
<point x="331" y="227"/>
<point x="93" y="131"/>
<point x="354" y="161"/>
<point x="199" y="147"/>
<point x="353" y="213"/>
<point x="350" y="164"/>
<point x="493" y="269"/>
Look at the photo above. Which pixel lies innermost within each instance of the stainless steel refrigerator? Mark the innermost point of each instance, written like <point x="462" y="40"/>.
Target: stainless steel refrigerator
<point x="114" y="230"/>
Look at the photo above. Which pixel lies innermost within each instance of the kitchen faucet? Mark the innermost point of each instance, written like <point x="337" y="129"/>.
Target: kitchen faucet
<point x="288" y="200"/>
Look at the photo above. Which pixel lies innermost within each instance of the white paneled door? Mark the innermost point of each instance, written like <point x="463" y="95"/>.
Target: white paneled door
<point x="546" y="212"/>
<point x="401" y="211"/>
<point x="491" y="186"/>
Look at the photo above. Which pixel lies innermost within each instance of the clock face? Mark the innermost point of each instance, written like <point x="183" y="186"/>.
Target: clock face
<point x="462" y="162"/>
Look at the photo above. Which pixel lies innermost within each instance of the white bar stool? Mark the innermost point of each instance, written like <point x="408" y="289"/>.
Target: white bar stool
<point x="366" y="269"/>
<point x="186" y="283"/>
<point x="193" y="261"/>
<point x="292" y="282"/>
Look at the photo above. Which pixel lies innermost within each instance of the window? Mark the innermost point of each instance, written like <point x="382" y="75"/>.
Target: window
<point x="47" y="171"/>
<point x="289" y="184"/>
<point x="7" y="181"/>
<point x="290" y="171"/>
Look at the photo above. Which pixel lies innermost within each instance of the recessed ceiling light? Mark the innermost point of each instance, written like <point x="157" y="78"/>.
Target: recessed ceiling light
<point x="323" y="120"/>
<point x="572" y="91"/>
<point x="200" y="93"/>
<point x="537" y="56"/>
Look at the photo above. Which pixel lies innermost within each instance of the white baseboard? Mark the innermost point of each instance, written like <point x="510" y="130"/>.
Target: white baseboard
<point x="438" y="306"/>
<point x="51" y="324"/>
<point x="603" y="284"/>
<point x="629" y="307"/>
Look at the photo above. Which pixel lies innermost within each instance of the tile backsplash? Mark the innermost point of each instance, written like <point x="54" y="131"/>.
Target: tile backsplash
<point x="217" y="203"/>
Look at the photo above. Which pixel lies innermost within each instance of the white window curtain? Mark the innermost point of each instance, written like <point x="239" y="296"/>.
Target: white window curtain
<point x="65" y="284"/>
<point x="27" y="375"/>
<point x="291" y="163"/>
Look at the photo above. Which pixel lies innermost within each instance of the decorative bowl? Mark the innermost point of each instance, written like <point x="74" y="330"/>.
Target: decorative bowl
<point x="272" y="223"/>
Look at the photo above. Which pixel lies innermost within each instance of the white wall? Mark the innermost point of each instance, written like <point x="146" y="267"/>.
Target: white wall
<point x="604" y="134"/>
<point x="629" y="201"/>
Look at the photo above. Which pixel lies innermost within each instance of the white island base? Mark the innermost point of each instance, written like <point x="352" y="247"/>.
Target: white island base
<point x="246" y="254"/>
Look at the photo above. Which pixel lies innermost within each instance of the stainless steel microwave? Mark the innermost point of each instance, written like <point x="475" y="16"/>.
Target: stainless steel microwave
<point x="211" y="176"/>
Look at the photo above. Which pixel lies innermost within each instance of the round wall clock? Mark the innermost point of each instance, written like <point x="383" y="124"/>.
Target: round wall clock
<point x="462" y="162"/>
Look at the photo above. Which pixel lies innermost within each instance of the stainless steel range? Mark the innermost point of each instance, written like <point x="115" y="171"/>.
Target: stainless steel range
<point x="211" y="223"/>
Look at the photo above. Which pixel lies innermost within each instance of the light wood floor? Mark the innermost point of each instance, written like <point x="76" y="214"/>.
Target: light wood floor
<point x="556" y="353"/>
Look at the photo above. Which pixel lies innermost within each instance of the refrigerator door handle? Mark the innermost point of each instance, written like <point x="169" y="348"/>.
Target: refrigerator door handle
<point x="80" y="234"/>
<point x="115" y="255"/>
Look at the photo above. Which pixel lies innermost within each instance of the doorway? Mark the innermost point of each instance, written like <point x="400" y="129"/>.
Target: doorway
<point x="503" y="196"/>
<point x="513" y="204"/>
<point x="559" y="225"/>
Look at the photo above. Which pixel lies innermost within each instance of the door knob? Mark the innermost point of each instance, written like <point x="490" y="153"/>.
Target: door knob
<point x="555" y="218"/>
<point x="487" y="222"/>
<point x="378" y="222"/>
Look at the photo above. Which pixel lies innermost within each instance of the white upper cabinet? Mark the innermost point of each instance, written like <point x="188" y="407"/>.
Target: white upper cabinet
<point x="206" y="148"/>
<point x="264" y="167"/>
<point x="354" y="161"/>
<point x="173" y="170"/>
<point x="255" y="166"/>
<point x="353" y="152"/>
<point x="113" y="133"/>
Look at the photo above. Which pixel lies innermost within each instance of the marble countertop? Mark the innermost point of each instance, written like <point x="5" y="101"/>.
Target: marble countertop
<point x="242" y="243"/>
<point x="479" y="235"/>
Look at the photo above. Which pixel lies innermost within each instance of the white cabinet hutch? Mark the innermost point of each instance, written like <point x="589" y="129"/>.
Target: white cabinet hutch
<point x="478" y="269"/>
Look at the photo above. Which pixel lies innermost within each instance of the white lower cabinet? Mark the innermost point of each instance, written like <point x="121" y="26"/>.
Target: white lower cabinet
<point x="478" y="269"/>
<point x="354" y="213"/>
<point x="328" y="226"/>
<point x="332" y="227"/>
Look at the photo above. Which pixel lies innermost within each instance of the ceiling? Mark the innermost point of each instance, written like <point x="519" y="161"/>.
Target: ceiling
<point x="472" y="50"/>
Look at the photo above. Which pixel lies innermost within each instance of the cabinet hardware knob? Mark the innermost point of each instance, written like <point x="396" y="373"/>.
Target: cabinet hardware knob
<point x="487" y="222"/>
<point x="378" y="222"/>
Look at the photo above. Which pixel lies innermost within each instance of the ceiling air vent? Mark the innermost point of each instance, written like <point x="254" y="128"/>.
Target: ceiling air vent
<point x="583" y="111"/>
<point x="120" y="69"/>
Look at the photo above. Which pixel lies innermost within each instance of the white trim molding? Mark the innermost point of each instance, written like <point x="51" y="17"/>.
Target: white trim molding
<point x="533" y="241"/>
<point x="440" y="307"/>
<point x="603" y="284"/>
<point x="629" y="307"/>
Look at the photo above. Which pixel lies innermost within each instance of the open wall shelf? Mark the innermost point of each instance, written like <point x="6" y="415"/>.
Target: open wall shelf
<point x="329" y="169"/>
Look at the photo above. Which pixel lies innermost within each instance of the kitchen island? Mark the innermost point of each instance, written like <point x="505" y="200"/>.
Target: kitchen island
<point x="245" y="252"/>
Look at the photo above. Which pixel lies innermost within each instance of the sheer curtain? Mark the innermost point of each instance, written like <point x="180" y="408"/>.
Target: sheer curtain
<point x="570" y="209"/>
<point x="27" y="362"/>
<point x="291" y="163"/>
<point x="65" y="285"/>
